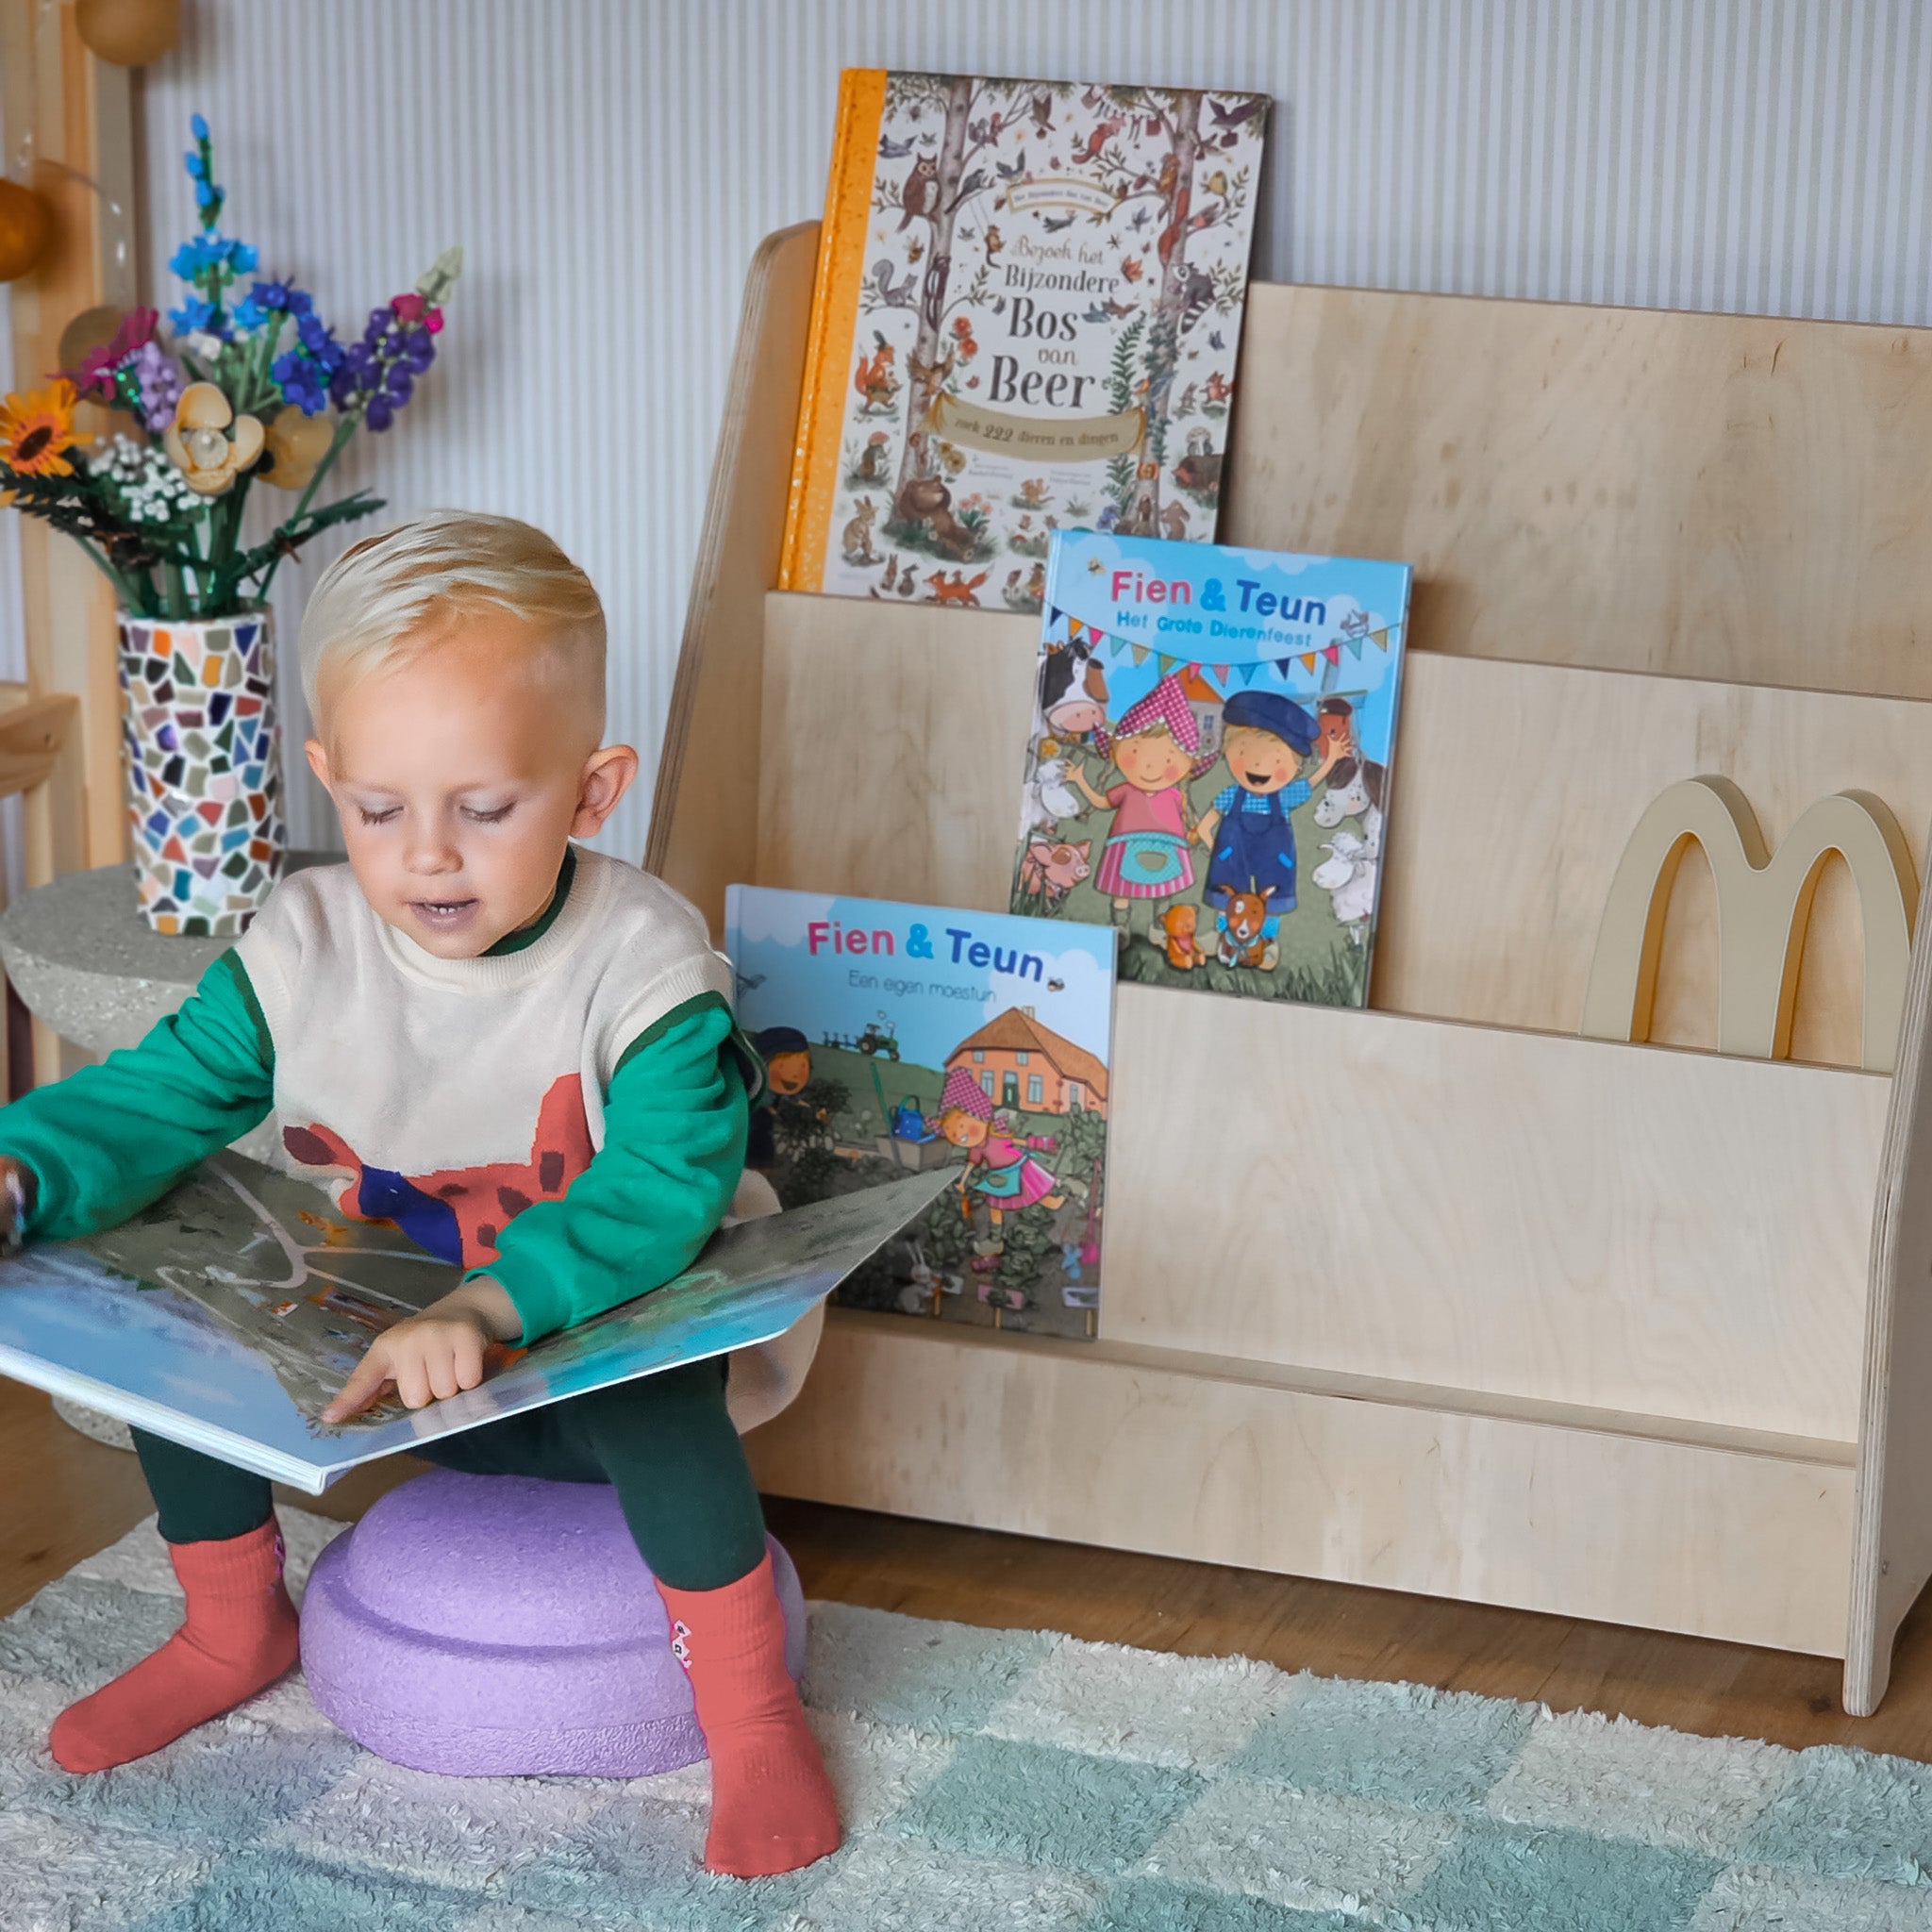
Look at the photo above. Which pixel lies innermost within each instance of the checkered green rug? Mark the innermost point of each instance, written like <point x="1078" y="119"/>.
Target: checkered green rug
<point x="990" y="1779"/>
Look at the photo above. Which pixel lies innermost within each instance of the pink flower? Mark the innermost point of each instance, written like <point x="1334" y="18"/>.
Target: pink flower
<point x="98" y="367"/>
<point x="432" y="321"/>
<point x="408" y="308"/>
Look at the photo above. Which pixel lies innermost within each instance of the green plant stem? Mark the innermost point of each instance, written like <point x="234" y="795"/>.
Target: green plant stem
<point x="338" y="442"/>
<point x="176" y="598"/>
<point x="124" y="592"/>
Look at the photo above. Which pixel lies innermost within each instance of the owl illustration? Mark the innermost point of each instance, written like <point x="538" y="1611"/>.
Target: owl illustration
<point x="921" y="193"/>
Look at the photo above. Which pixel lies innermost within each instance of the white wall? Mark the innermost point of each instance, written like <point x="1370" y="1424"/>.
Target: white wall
<point x="610" y="165"/>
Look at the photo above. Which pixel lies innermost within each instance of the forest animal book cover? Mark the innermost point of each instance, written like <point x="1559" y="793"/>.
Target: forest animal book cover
<point x="1208" y="769"/>
<point x="1026" y="315"/>
<point x="906" y="1039"/>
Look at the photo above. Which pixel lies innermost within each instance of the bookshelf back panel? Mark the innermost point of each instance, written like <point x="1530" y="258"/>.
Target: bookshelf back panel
<point x="1712" y="495"/>
<point x="1623" y="1227"/>
<point x="893" y="745"/>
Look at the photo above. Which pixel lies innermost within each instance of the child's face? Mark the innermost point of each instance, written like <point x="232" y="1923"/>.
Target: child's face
<point x="788" y="1072"/>
<point x="1259" y="761"/>
<point x="1151" y="763"/>
<point x="962" y="1129"/>
<point x="460" y="776"/>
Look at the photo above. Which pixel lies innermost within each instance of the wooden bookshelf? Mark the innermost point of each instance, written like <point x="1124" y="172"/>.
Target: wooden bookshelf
<point x="1439" y="1296"/>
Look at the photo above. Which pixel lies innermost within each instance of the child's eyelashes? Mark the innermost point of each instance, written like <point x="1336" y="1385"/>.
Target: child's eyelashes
<point x="495" y="816"/>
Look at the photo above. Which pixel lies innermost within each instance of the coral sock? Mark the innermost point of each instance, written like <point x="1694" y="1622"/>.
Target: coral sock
<point x="238" y="1636"/>
<point x="771" y="1804"/>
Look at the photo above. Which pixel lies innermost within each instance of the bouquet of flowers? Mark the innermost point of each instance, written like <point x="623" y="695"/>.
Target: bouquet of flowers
<point x="253" y="387"/>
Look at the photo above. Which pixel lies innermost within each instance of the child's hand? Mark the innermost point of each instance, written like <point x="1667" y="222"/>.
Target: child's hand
<point x="432" y="1355"/>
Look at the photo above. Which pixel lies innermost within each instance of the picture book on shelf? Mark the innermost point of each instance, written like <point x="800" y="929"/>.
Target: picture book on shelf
<point x="921" y="1039"/>
<point x="1026" y="316"/>
<point x="225" y="1315"/>
<point x="1211" y="750"/>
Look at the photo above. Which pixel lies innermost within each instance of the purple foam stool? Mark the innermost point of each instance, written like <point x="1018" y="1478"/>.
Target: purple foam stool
<point x="504" y="1627"/>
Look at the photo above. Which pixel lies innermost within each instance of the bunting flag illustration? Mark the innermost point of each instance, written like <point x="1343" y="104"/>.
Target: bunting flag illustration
<point x="1074" y="627"/>
<point x="1333" y="653"/>
<point x="1139" y="652"/>
<point x="1308" y="660"/>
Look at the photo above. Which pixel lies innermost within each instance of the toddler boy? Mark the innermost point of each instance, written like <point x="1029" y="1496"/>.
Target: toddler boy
<point x="523" y="1054"/>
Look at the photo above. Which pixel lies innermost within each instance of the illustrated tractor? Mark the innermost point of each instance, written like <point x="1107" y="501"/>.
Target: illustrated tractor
<point x="879" y="1038"/>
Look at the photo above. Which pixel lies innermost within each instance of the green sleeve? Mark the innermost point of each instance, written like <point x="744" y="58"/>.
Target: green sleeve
<point x="675" y="1122"/>
<point x="109" y="1139"/>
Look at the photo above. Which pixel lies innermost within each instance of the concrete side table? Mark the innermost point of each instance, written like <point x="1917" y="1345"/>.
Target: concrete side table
<point x="83" y="959"/>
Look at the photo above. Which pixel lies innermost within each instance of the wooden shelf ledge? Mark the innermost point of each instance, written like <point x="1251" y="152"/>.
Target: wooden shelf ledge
<point x="1727" y="1534"/>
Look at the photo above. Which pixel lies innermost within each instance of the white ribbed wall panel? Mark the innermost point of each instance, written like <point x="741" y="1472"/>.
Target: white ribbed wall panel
<point x="611" y="164"/>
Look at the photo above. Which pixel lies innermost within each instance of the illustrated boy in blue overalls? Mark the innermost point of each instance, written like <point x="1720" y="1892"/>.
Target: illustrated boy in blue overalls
<point x="1248" y="830"/>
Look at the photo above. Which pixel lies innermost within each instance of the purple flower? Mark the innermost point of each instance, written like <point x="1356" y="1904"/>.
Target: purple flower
<point x="161" y="386"/>
<point x="379" y="415"/>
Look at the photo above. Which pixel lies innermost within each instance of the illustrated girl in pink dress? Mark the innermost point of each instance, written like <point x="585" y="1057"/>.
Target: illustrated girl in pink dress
<point x="1154" y="747"/>
<point x="1000" y="1168"/>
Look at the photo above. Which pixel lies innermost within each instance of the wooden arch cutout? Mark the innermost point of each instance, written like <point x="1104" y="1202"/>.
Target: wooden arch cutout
<point x="1765" y="906"/>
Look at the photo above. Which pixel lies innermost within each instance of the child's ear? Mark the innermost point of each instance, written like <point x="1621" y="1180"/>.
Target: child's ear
<point x="317" y="760"/>
<point x="608" y="774"/>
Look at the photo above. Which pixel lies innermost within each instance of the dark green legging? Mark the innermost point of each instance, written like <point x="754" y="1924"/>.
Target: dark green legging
<point x="665" y="1444"/>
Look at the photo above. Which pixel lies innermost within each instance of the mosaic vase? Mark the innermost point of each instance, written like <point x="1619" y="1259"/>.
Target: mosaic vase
<point x="204" y="781"/>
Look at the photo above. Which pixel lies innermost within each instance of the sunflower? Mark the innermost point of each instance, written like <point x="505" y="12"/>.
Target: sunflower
<point x="37" y="430"/>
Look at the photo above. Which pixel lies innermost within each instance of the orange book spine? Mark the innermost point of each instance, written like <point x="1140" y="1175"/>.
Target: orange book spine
<point x="834" y="320"/>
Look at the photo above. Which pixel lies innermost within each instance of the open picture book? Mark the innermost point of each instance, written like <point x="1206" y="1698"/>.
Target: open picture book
<point x="228" y="1313"/>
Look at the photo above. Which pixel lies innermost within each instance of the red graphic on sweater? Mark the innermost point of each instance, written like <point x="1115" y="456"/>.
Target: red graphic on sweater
<point x="458" y="1213"/>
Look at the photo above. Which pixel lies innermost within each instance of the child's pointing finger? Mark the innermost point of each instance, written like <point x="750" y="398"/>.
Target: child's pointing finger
<point x="360" y="1389"/>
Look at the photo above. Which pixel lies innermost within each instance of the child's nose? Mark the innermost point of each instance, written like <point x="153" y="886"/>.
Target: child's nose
<point x="431" y="849"/>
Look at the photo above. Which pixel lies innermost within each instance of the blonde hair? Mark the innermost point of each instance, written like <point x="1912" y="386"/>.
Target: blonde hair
<point x="397" y="593"/>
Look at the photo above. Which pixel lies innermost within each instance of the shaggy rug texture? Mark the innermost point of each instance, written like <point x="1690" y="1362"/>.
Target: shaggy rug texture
<point x="992" y="1781"/>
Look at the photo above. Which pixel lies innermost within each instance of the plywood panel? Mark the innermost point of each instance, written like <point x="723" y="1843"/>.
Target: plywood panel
<point x="1516" y="787"/>
<point x="1893" y="1551"/>
<point x="1623" y="1227"/>
<point x="703" y="824"/>
<point x="1720" y="496"/>
<point x="893" y="749"/>
<point x="1063" y="1441"/>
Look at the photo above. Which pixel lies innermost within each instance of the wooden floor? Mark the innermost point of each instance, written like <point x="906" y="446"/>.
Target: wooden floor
<point x="65" y="1496"/>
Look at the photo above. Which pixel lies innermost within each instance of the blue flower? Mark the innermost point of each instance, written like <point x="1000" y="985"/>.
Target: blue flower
<point x="196" y="165"/>
<point x="193" y="314"/>
<point x="303" y="381"/>
<point x="205" y="196"/>
<point x="314" y="336"/>
<point x="249" y="314"/>
<point x="198" y="127"/>
<point x="242" y="257"/>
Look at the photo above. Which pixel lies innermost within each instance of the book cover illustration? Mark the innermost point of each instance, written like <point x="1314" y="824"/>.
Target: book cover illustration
<point x="1027" y="316"/>
<point x="226" y="1315"/>
<point x="907" y="1038"/>
<point x="1210" y="757"/>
